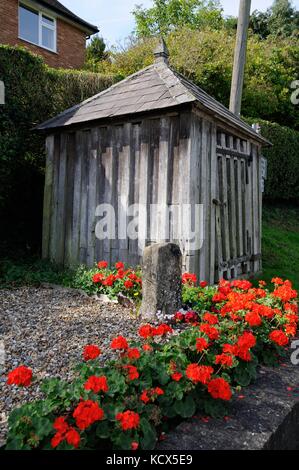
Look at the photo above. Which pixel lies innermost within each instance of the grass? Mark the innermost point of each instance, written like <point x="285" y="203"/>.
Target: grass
<point x="280" y="257"/>
<point x="34" y="272"/>
<point x="280" y="245"/>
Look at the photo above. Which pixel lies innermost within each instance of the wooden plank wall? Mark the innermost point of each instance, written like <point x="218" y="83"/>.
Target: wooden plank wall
<point x="145" y="162"/>
<point x="173" y="159"/>
<point x="239" y="206"/>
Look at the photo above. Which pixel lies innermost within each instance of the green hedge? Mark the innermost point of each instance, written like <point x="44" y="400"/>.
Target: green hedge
<point x="283" y="162"/>
<point x="34" y="93"/>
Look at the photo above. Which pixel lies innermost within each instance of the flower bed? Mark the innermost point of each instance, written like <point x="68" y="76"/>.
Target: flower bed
<point x="196" y="363"/>
<point x="117" y="281"/>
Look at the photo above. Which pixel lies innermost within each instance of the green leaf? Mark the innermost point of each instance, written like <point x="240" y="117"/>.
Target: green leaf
<point x="185" y="408"/>
<point x="15" y="443"/>
<point x="102" y="430"/>
<point x="123" y="441"/>
<point x="244" y="374"/>
<point x="43" y="427"/>
<point x="149" y="439"/>
<point x="215" y="408"/>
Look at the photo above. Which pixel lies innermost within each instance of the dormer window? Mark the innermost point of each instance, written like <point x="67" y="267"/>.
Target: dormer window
<point x="37" y="27"/>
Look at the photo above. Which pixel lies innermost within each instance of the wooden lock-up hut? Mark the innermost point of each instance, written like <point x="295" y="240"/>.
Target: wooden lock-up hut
<point x="154" y="138"/>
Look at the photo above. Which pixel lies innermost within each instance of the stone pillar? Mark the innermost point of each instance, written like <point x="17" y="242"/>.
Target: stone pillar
<point x="161" y="280"/>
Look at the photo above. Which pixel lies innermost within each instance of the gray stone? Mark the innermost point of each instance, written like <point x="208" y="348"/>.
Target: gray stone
<point x="161" y="283"/>
<point x="264" y="415"/>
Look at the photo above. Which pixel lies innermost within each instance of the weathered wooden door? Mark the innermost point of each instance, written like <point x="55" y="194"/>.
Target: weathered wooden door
<point x="237" y="209"/>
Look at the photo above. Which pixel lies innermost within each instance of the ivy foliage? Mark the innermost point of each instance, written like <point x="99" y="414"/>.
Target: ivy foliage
<point x="272" y="66"/>
<point x="282" y="182"/>
<point x="34" y="93"/>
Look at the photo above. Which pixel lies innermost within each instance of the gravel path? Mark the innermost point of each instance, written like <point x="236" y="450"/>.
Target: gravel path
<point x="46" y="329"/>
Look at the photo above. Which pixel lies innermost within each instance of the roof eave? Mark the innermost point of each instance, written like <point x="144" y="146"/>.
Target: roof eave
<point x="249" y="132"/>
<point x="88" y="28"/>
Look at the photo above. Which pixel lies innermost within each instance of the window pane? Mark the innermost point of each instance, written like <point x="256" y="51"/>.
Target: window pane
<point x="28" y="24"/>
<point x="48" y="38"/>
<point x="48" y="21"/>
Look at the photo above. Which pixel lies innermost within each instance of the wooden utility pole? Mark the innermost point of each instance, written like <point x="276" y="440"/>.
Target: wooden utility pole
<point x="240" y="57"/>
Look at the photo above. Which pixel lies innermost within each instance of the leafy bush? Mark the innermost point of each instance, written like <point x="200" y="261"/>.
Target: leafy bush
<point x="117" y="281"/>
<point x="168" y="374"/>
<point x="272" y="66"/>
<point x="34" y="93"/>
<point x="283" y="162"/>
<point x="97" y="280"/>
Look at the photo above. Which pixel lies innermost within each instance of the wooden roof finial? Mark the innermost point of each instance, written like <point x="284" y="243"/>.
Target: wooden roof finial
<point x="161" y="52"/>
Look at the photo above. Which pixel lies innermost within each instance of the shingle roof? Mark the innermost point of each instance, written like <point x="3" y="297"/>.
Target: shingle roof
<point x="59" y="8"/>
<point x="153" y="88"/>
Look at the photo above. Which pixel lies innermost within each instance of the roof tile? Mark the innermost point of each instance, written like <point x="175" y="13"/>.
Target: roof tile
<point x="153" y="88"/>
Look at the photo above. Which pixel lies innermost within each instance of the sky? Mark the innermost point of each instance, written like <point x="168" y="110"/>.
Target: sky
<point x="115" y="20"/>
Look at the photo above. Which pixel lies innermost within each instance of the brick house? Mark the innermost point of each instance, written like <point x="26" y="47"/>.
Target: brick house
<point x="47" y="28"/>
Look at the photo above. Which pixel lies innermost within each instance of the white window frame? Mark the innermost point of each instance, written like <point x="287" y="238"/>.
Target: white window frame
<point x="41" y="24"/>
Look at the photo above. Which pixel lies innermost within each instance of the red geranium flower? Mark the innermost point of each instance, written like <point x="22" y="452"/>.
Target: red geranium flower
<point x="73" y="437"/>
<point x="145" y="331"/>
<point x="277" y="280"/>
<point x="244" y="343"/>
<point x="230" y="348"/>
<point x="176" y="376"/>
<point x="60" y="425"/>
<point x="219" y="297"/>
<point x="191" y="317"/>
<point x="162" y="330"/>
<point x="188" y="278"/>
<point x="86" y="413"/>
<point x="56" y="440"/>
<point x="134" y="445"/>
<point x="151" y="395"/>
<point x="109" y="281"/>
<point x="253" y="319"/>
<point x="225" y="360"/>
<point x="20" y="376"/>
<point x="144" y="397"/>
<point x="91" y="352"/>
<point x="241" y="284"/>
<point x="128" y="420"/>
<point x="97" y="384"/>
<point x="119" y="265"/>
<point x="203" y="284"/>
<point x="279" y="337"/>
<point x="210" y="318"/>
<point x="285" y="292"/>
<point x="133" y="373"/>
<point x="133" y="354"/>
<point x="198" y="373"/>
<point x="119" y="343"/>
<point x="120" y="274"/>
<point x="97" y="278"/>
<point x="133" y="277"/>
<point x="102" y="264"/>
<point x="219" y="388"/>
<point x="201" y="344"/>
<point x="210" y="331"/>
<point x="128" y="284"/>
<point x="147" y="347"/>
<point x="291" y="330"/>
<point x="179" y="317"/>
